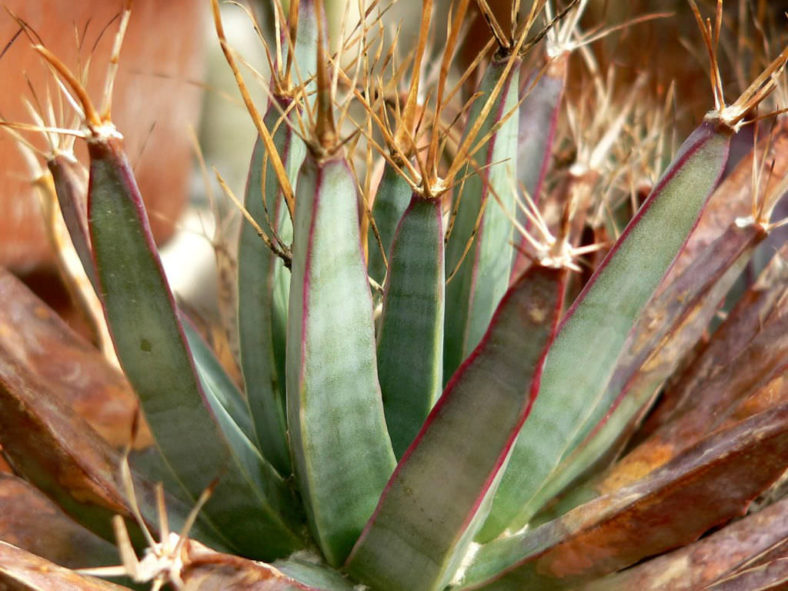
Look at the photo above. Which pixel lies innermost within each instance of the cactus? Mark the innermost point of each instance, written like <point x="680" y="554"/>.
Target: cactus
<point x="444" y="384"/>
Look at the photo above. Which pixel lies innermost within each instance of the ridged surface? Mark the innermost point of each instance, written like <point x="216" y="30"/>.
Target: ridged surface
<point x="410" y="340"/>
<point x="250" y="504"/>
<point x="341" y="449"/>
<point x="475" y="290"/>
<point x="596" y="327"/>
<point x="435" y="501"/>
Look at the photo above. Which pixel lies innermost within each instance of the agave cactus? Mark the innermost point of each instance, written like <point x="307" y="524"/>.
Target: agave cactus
<point x="467" y="377"/>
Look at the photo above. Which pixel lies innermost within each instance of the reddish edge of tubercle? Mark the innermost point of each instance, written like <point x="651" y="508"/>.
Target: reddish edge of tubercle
<point x="704" y="132"/>
<point x="395" y="239"/>
<point x="718" y="273"/>
<point x="446" y="396"/>
<point x="110" y="150"/>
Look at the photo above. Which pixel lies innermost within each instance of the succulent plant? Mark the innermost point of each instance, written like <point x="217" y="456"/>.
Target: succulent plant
<point x="466" y="378"/>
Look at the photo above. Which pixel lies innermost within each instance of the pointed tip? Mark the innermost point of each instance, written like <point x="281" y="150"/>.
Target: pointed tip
<point x="410" y="110"/>
<point x="112" y="68"/>
<point x="325" y="128"/>
<point x="503" y="40"/>
<point x="92" y="118"/>
<point x="292" y="26"/>
<point x="733" y="116"/>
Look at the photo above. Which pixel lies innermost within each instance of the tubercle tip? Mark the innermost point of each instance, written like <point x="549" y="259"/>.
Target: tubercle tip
<point x="409" y="112"/>
<point x="504" y="42"/>
<point x="91" y="114"/>
<point x="292" y="32"/>
<point x="112" y="70"/>
<point x="734" y="116"/>
<point x="325" y="129"/>
<point x="100" y="129"/>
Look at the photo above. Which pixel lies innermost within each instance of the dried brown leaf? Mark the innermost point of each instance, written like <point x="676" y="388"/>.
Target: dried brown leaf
<point x="706" y="486"/>
<point x="22" y="571"/>
<point x="33" y="337"/>
<point x="707" y="560"/>
<point x="33" y="523"/>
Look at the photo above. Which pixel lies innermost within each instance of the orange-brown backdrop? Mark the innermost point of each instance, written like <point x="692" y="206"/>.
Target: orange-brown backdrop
<point x="155" y="101"/>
